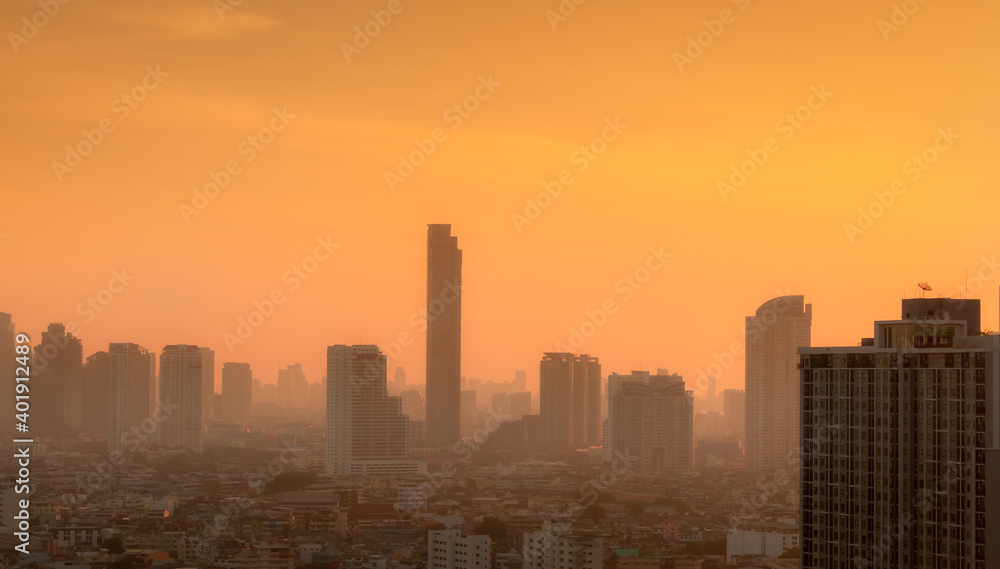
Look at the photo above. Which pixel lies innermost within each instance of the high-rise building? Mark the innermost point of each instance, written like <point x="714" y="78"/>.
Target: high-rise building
<point x="57" y="382"/>
<point x="469" y="410"/>
<point x="734" y="407"/>
<point x="293" y="389"/>
<point x="399" y="381"/>
<point x="650" y="422"/>
<point x="444" y="337"/>
<point x="901" y="446"/>
<point x="570" y="406"/>
<point x="449" y="549"/>
<point x="413" y="405"/>
<point x="366" y="432"/>
<point x="208" y="384"/>
<point x="8" y="362"/>
<point x="96" y="383"/>
<point x="520" y="380"/>
<point x="520" y="404"/>
<point x="131" y="395"/>
<point x="780" y="326"/>
<point x="181" y="392"/>
<point x="237" y="389"/>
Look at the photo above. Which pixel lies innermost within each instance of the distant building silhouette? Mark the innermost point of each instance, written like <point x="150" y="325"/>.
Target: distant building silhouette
<point x="520" y="404"/>
<point x="413" y="404"/>
<point x="367" y="433"/>
<point x="520" y="380"/>
<point x="470" y="410"/>
<point x="650" y="422"/>
<point x="237" y="389"/>
<point x="570" y="402"/>
<point x="8" y="363"/>
<point x="131" y="395"/>
<point x="780" y="326"/>
<point x="181" y="392"/>
<point x="208" y="384"/>
<point x="905" y="431"/>
<point x="96" y="395"/>
<point x="57" y="382"/>
<point x="293" y="389"/>
<point x="444" y="337"/>
<point x="734" y="406"/>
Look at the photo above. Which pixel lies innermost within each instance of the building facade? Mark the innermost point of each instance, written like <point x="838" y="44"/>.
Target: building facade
<point x="780" y="326"/>
<point x="449" y="549"/>
<point x="901" y="447"/>
<point x="444" y="337"/>
<point x="570" y="400"/>
<point x="651" y="422"/>
<point x="237" y="390"/>
<point x="131" y="391"/>
<point x="367" y="432"/>
<point x="181" y="391"/>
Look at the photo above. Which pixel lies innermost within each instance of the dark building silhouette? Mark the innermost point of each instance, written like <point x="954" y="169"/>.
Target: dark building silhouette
<point x="237" y="386"/>
<point x="444" y="337"/>
<point x="570" y="400"/>
<point x="57" y="386"/>
<point x="7" y="365"/>
<point x="96" y="376"/>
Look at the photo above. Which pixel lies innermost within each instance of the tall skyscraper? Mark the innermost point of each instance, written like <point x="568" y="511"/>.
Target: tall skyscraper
<point x="7" y="364"/>
<point x="901" y="445"/>
<point x="293" y="389"/>
<point x="650" y="422"/>
<point x="237" y="389"/>
<point x="96" y="384"/>
<point x="181" y="392"/>
<point x="570" y="399"/>
<point x="208" y="384"/>
<point x="366" y="432"/>
<point x="555" y="385"/>
<point x="586" y="401"/>
<point x="520" y="381"/>
<point x="131" y="391"/>
<point x="444" y="337"/>
<point x="780" y="327"/>
<point x="57" y="386"/>
<point x="570" y="403"/>
<point x="734" y="407"/>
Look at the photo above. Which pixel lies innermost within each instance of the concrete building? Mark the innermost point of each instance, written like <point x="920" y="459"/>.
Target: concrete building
<point x="444" y="337"/>
<point x="570" y="400"/>
<point x="557" y="546"/>
<point x="651" y="422"/>
<point x="8" y="361"/>
<point x="520" y="404"/>
<point x="56" y="381"/>
<point x="780" y="326"/>
<point x="207" y="384"/>
<point x="751" y="540"/>
<point x="901" y="444"/>
<point x="449" y="549"/>
<point x="181" y="391"/>
<point x="293" y="389"/>
<point x="131" y="391"/>
<point x="734" y="407"/>
<point x="237" y="388"/>
<point x="367" y="433"/>
<point x="96" y="392"/>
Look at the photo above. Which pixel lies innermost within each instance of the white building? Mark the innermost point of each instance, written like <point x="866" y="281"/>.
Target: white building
<point x="367" y="433"/>
<point x="760" y="539"/>
<point x="556" y="546"/>
<point x="131" y="396"/>
<point x="780" y="326"/>
<point x="449" y="549"/>
<point x="181" y="378"/>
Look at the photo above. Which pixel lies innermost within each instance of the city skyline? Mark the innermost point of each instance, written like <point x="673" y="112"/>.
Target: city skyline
<point x="686" y="129"/>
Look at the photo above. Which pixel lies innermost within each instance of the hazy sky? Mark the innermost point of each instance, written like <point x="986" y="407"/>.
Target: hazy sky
<point x="529" y="97"/>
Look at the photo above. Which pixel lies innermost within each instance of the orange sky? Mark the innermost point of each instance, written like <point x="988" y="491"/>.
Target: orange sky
<point x="323" y="175"/>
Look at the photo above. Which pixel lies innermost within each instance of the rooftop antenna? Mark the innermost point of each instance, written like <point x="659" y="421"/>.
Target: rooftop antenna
<point x="924" y="287"/>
